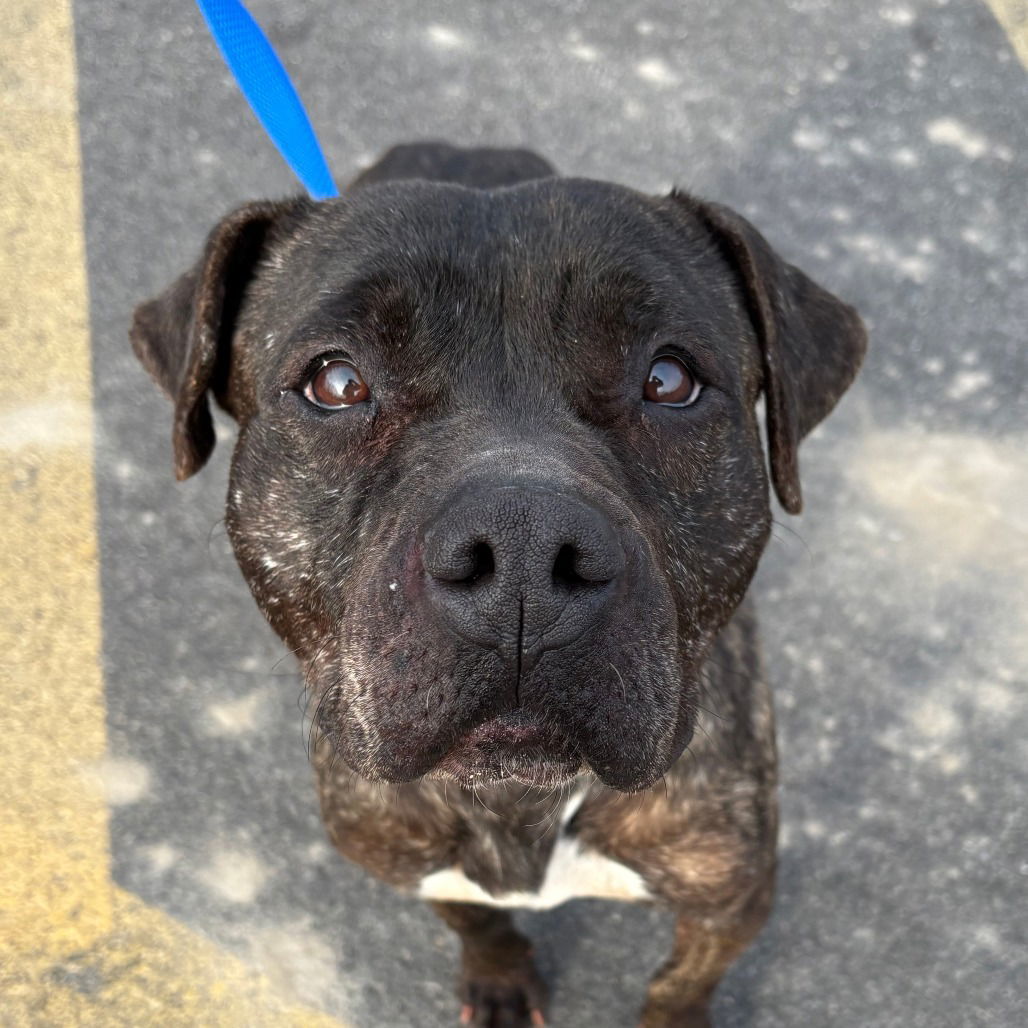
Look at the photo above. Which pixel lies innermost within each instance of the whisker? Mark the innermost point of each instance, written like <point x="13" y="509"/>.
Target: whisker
<point x="624" y="691"/>
<point x="699" y="725"/>
<point x="688" y="749"/>
<point x="712" y="713"/>
<point x="315" y="720"/>
<point x="729" y="670"/>
<point x="210" y="535"/>
<point x="552" y="815"/>
<point x="535" y="824"/>
<point x="480" y="800"/>
<point x="793" y="532"/>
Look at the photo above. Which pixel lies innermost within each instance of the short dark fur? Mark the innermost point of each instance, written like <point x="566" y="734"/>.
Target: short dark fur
<point x="505" y="319"/>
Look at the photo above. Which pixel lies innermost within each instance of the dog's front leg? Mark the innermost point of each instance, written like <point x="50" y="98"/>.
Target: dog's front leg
<point x="498" y="984"/>
<point x="705" y="947"/>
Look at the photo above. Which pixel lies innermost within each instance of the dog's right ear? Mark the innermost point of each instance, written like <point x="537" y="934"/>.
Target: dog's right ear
<point x="184" y="336"/>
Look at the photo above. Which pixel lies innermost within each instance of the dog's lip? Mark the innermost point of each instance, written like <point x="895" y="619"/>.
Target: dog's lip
<point x="511" y="745"/>
<point x="514" y="729"/>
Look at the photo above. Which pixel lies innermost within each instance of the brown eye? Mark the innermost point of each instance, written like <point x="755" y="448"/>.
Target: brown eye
<point x="337" y="383"/>
<point x="671" y="383"/>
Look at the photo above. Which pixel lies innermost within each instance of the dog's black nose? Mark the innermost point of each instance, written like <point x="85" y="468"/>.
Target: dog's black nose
<point x="522" y="568"/>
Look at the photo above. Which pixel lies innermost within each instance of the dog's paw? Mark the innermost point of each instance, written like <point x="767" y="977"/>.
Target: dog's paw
<point x="513" y="998"/>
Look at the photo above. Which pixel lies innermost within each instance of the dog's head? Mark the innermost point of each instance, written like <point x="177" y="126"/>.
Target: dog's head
<point x="499" y="479"/>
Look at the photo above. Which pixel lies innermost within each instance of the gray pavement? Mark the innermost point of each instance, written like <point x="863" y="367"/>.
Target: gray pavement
<point x="882" y="147"/>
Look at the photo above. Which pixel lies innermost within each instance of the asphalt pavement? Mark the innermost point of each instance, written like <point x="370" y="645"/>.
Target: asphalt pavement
<point x="883" y="147"/>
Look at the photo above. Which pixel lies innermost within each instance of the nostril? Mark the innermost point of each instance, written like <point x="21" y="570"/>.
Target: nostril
<point x="458" y="559"/>
<point x="483" y="563"/>
<point x="569" y="573"/>
<point x="564" y="572"/>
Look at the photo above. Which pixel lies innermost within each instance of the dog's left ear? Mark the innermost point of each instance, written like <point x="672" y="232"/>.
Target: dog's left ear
<point x="184" y="336"/>
<point x="811" y="343"/>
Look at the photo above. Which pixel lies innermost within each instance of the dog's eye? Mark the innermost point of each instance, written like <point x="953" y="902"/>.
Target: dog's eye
<point x="671" y="383"/>
<point x="337" y="383"/>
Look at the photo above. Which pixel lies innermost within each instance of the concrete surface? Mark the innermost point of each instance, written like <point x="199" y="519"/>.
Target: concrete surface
<point x="880" y="146"/>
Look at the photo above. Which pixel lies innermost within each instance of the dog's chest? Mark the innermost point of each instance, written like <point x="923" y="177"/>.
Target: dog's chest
<point x="573" y="870"/>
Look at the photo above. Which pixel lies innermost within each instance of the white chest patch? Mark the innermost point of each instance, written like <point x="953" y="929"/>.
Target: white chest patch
<point x="572" y="872"/>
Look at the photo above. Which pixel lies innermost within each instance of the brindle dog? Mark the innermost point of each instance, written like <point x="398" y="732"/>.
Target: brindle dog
<point x="499" y="484"/>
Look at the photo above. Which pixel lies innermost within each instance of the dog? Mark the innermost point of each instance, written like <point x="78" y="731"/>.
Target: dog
<point x="500" y="484"/>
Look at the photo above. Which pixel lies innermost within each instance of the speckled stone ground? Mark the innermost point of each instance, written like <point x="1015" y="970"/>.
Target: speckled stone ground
<point x="880" y="146"/>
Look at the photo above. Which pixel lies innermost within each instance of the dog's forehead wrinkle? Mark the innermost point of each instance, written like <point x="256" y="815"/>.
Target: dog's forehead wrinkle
<point x="429" y="231"/>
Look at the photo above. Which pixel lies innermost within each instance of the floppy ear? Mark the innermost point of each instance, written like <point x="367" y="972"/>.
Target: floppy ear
<point x="184" y="336"/>
<point x="812" y="343"/>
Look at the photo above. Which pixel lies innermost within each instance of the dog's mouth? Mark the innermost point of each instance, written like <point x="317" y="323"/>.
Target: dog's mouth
<point x="510" y="746"/>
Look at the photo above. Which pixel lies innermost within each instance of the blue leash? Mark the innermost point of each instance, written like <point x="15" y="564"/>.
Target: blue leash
<point x="266" y="86"/>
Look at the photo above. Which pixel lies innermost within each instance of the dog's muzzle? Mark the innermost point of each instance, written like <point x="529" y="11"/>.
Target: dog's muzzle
<point x="521" y="568"/>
